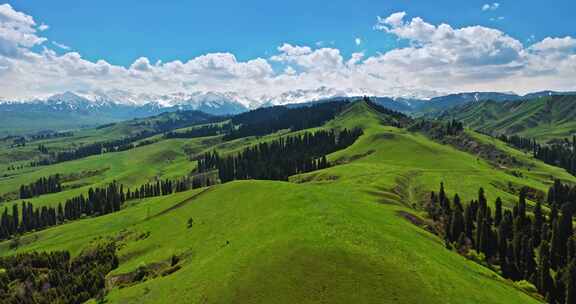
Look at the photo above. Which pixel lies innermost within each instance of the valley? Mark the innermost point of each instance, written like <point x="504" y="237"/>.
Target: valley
<point x="250" y="240"/>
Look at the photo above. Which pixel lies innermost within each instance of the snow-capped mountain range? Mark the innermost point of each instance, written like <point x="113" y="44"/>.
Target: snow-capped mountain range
<point x="212" y="102"/>
<point x="231" y="103"/>
<point x="72" y="110"/>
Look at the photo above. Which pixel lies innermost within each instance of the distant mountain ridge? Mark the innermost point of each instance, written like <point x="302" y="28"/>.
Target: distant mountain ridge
<point x="441" y="103"/>
<point x="544" y="117"/>
<point x="79" y="109"/>
<point x="219" y="103"/>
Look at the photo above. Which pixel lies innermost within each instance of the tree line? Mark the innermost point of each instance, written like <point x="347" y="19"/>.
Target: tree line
<point x="438" y="129"/>
<point x="561" y="153"/>
<point x="395" y="118"/>
<point x="203" y="131"/>
<point x="49" y="135"/>
<point x="537" y="248"/>
<point x="98" y="201"/>
<point x="96" y="148"/>
<point x="20" y="141"/>
<point x="454" y="127"/>
<point x="271" y="119"/>
<point x="14" y="167"/>
<point x="42" y="149"/>
<point x="280" y="158"/>
<point x="167" y="186"/>
<point x="183" y="119"/>
<point x="55" y="277"/>
<point x="43" y="185"/>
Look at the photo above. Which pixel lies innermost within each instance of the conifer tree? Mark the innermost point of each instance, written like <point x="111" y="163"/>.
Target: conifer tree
<point x="544" y="281"/>
<point x="498" y="212"/>
<point x="571" y="283"/>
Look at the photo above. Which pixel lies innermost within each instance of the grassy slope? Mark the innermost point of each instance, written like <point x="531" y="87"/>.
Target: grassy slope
<point x="124" y="129"/>
<point x="333" y="236"/>
<point x="164" y="159"/>
<point x="542" y="118"/>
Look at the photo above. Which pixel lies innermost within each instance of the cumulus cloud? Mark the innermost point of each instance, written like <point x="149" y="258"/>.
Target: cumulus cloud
<point x="564" y="45"/>
<point x="433" y="58"/>
<point x="358" y="41"/>
<point x="323" y="59"/>
<point x="475" y="57"/>
<point x="430" y="44"/>
<point x="394" y="20"/>
<point x="490" y="6"/>
<point x="17" y="31"/>
<point x="355" y="58"/>
<point x="141" y="64"/>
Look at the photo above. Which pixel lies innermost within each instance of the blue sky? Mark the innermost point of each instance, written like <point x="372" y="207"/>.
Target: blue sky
<point x="122" y="31"/>
<point x="262" y="50"/>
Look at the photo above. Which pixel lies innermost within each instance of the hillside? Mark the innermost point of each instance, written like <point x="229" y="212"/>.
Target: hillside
<point x="75" y="110"/>
<point x="68" y="111"/>
<point x="541" y="118"/>
<point x="336" y="235"/>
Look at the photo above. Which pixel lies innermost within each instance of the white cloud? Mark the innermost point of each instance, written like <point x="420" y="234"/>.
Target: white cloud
<point x="43" y="27"/>
<point x="490" y="6"/>
<point x="291" y="50"/>
<point x="323" y="59"/>
<point x="355" y="58"/>
<point x="395" y="19"/>
<point x="474" y="58"/>
<point x="62" y="46"/>
<point x="430" y="44"/>
<point x="358" y="41"/>
<point x="435" y="58"/>
<point x="566" y="44"/>
<point x="17" y="31"/>
<point x="141" y="64"/>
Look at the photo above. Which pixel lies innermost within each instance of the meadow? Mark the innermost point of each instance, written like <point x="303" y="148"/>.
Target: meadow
<point x="338" y="235"/>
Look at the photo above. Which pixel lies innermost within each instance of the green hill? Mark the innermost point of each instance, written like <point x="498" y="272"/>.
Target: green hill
<point x="339" y="235"/>
<point x="542" y="118"/>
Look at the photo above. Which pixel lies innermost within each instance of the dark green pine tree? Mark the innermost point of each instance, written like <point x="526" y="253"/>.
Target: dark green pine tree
<point x="482" y="198"/>
<point x="479" y="240"/>
<point x="522" y="208"/>
<point x="323" y="162"/>
<point x="15" y="218"/>
<point x="503" y="251"/>
<point x="4" y="225"/>
<point x="456" y="224"/>
<point x="566" y="230"/>
<point x="537" y="225"/>
<point x="571" y="249"/>
<point x="559" y="241"/>
<point x="544" y="281"/>
<point x="571" y="283"/>
<point x="498" y="212"/>
<point x="24" y="226"/>
<point x="469" y="221"/>
<point x="529" y="264"/>
<point x="442" y="194"/>
<point x="513" y="271"/>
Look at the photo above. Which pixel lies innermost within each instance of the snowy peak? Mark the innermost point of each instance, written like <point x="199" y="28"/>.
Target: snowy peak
<point x="321" y="93"/>
<point x="224" y="103"/>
